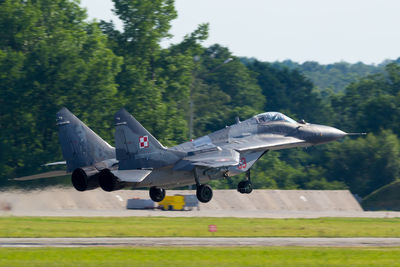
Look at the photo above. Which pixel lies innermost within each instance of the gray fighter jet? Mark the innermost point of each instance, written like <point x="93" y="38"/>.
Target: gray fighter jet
<point x="140" y="160"/>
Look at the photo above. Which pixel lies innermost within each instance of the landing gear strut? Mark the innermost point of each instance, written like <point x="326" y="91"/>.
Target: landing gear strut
<point x="245" y="187"/>
<point x="157" y="194"/>
<point x="204" y="192"/>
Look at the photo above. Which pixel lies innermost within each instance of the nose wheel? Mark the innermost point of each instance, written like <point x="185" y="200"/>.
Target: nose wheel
<point x="245" y="186"/>
<point x="204" y="192"/>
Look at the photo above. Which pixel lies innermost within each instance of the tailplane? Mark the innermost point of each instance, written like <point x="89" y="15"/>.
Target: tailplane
<point x="80" y="145"/>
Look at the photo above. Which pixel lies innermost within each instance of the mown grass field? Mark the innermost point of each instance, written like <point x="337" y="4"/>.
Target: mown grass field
<point x="196" y="227"/>
<point x="200" y="256"/>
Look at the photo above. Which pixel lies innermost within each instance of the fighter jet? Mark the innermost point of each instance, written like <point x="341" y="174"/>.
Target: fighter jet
<point x="139" y="160"/>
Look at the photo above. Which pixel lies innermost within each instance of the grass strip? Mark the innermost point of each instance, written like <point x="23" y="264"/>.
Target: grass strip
<point x="200" y="256"/>
<point x="196" y="227"/>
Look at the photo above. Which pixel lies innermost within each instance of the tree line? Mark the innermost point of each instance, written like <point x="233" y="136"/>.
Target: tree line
<point x="51" y="56"/>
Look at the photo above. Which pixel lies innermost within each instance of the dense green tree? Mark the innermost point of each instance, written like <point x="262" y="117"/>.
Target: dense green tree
<point x="224" y="88"/>
<point x="290" y="92"/>
<point x="154" y="83"/>
<point x="364" y="164"/>
<point x="50" y="57"/>
<point x="336" y="76"/>
<point x="371" y="104"/>
<point x="57" y="59"/>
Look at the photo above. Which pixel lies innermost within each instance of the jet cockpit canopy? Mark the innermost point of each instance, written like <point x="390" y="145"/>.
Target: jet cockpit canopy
<point x="273" y="116"/>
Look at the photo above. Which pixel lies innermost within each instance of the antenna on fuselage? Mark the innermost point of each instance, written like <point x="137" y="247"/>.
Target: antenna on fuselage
<point x="237" y="120"/>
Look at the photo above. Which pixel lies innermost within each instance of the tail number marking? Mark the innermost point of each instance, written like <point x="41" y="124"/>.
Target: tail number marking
<point x="242" y="164"/>
<point x="143" y="141"/>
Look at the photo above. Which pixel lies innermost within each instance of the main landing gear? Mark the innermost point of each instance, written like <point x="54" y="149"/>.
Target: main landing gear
<point x="156" y="194"/>
<point x="204" y="192"/>
<point x="245" y="187"/>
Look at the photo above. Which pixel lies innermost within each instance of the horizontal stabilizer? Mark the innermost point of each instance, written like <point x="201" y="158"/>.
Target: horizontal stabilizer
<point x="51" y="174"/>
<point x="131" y="176"/>
<point x="55" y="163"/>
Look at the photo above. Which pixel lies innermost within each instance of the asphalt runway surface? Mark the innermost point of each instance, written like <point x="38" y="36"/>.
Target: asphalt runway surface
<point x="196" y="241"/>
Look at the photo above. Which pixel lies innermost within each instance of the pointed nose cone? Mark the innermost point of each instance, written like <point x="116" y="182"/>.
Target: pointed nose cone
<point x="331" y="133"/>
<point x="324" y="134"/>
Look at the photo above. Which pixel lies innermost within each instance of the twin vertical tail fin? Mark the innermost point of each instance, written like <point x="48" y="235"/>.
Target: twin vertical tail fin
<point x="80" y="145"/>
<point x="136" y="148"/>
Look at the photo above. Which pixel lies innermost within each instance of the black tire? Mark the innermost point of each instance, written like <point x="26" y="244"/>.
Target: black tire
<point x="245" y="187"/>
<point x="249" y="188"/>
<point x="204" y="193"/>
<point x="156" y="194"/>
<point x="241" y="186"/>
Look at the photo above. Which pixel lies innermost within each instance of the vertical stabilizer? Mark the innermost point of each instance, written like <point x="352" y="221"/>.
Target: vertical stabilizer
<point x="80" y="145"/>
<point x="136" y="148"/>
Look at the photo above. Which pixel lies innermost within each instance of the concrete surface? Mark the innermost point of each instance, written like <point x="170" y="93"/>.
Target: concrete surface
<point x="196" y="241"/>
<point x="225" y="203"/>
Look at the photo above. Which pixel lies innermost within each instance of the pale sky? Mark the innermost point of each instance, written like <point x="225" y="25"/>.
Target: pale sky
<point x="326" y="31"/>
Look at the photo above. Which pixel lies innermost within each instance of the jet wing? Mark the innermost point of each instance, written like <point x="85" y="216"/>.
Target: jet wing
<point x="213" y="159"/>
<point x="50" y="174"/>
<point x="41" y="175"/>
<point x="265" y="142"/>
<point x="131" y="176"/>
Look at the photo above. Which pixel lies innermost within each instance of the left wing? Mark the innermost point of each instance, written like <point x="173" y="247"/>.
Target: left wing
<point x="265" y="142"/>
<point x="213" y="159"/>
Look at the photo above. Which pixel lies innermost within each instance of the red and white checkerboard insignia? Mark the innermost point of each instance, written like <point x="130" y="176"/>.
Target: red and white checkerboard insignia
<point x="242" y="164"/>
<point x="143" y="141"/>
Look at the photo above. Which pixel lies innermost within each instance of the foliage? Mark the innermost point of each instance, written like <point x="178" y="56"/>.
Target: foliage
<point x="333" y="77"/>
<point x="372" y="103"/>
<point x="51" y="56"/>
<point x="289" y="91"/>
<point x="57" y="59"/>
<point x="364" y="164"/>
<point x="385" y="198"/>
<point x="223" y="88"/>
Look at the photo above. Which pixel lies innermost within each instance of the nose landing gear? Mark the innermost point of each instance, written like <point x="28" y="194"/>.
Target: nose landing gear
<point x="245" y="187"/>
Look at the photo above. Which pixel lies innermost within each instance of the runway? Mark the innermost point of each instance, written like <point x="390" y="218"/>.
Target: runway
<point x="196" y="241"/>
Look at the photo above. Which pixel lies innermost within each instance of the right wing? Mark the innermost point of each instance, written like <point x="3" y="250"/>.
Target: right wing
<point x="50" y="174"/>
<point x="41" y="175"/>
<point x="131" y="176"/>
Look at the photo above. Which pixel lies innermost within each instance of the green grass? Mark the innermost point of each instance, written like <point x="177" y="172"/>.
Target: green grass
<point x="196" y="227"/>
<point x="200" y="256"/>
